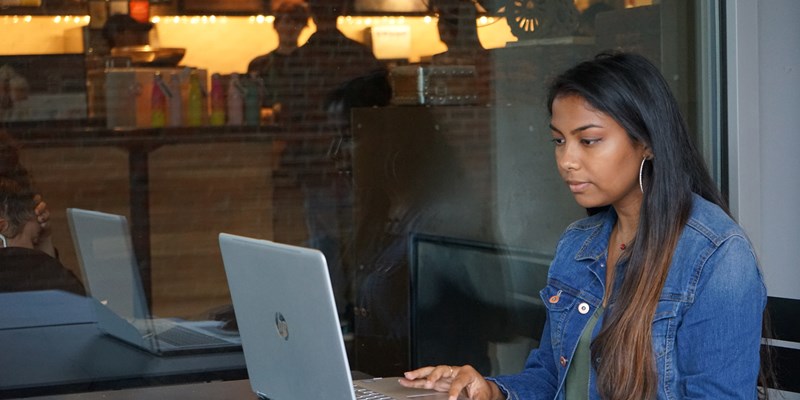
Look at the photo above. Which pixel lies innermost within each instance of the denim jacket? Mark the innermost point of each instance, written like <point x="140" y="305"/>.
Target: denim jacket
<point x="706" y="328"/>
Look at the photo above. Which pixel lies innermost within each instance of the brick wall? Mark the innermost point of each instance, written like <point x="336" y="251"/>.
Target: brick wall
<point x="196" y="191"/>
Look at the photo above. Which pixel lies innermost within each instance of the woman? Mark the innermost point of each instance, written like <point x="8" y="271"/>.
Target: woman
<point x="11" y="168"/>
<point x="22" y="267"/>
<point x="658" y="294"/>
<point x="18" y="224"/>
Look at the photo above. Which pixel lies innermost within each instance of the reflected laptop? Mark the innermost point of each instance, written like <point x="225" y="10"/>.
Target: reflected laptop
<point x="290" y="330"/>
<point x="108" y="263"/>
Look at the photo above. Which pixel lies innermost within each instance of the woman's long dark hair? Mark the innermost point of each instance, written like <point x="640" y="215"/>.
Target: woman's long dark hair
<point x="10" y="166"/>
<point x="16" y="206"/>
<point x="631" y="90"/>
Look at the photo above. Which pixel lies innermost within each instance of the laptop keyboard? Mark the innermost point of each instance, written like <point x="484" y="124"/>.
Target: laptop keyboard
<point x="181" y="336"/>
<point x="366" y="394"/>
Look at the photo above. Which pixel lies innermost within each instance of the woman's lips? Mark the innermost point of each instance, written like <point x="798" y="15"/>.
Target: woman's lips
<point x="577" y="187"/>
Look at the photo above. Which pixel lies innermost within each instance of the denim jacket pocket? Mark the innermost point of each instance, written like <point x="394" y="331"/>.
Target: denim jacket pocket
<point x="557" y="301"/>
<point x="664" y="327"/>
<point x="556" y="298"/>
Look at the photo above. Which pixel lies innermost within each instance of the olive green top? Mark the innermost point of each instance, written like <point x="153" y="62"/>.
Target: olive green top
<point x="580" y="369"/>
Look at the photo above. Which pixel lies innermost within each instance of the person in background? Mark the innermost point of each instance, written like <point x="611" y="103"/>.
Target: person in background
<point x="586" y="21"/>
<point x="121" y="30"/>
<point x="28" y="259"/>
<point x="326" y="62"/>
<point x="11" y="168"/>
<point x="18" y="225"/>
<point x="659" y="293"/>
<point x="457" y="26"/>
<point x="458" y="29"/>
<point x="22" y="267"/>
<point x="291" y="17"/>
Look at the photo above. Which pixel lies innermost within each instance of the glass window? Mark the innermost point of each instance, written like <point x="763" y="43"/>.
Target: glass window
<point x="408" y="142"/>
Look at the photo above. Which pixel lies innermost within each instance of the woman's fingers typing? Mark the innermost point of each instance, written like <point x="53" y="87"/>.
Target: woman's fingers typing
<point x="455" y="381"/>
<point x="428" y="378"/>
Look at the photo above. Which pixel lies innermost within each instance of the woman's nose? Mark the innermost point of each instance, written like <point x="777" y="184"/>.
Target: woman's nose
<point x="567" y="157"/>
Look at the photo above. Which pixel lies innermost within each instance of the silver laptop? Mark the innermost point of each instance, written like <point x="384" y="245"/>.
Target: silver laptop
<point x="108" y="263"/>
<point x="290" y="330"/>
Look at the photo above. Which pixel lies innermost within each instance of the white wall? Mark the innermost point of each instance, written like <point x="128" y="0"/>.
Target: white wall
<point x="763" y="48"/>
<point x="764" y="116"/>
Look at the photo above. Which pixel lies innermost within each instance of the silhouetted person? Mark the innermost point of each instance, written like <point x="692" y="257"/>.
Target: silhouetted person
<point x="313" y="72"/>
<point x="457" y="26"/>
<point x="587" y="18"/>
<point x="291" y="16"/>
<point x="121" y="30"/>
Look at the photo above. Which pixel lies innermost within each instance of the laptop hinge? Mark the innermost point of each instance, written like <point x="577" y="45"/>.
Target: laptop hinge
<point x="262" y="396"/>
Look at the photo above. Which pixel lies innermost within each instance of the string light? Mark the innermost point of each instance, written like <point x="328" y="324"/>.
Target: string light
<point x="75" y="19"/>
<point x="253" y="19"/>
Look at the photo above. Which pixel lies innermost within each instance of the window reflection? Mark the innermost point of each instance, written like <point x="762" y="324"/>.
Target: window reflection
<point x="424" y="175"/>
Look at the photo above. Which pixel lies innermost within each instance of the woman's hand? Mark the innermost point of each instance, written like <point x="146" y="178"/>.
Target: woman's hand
<point x="42" y="213"/>
<point x="44" y="240"/>
<point x="454" y="381"/>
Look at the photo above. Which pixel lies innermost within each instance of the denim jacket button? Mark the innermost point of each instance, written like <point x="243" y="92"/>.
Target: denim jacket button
<point x="563" y="361"/>
<point x="583" y="308"/>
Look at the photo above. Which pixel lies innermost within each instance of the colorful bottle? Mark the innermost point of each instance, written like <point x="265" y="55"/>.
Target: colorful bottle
<point x="252" y="101"/>
<point x="175" y="100"/>
<point x="235" y="101"/>
<point x="158" y="102"/>
<point x="194" y="109"/>
<point x="217" y="101"/>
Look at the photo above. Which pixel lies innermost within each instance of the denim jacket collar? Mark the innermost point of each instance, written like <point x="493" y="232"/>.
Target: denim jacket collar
<point x="599" y="230"/>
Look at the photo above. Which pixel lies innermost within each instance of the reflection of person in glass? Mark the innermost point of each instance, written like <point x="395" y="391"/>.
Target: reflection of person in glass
<point x="457" y="26"/>
<point x="324" y="63"/>
<point x="658" y="294"/>
<point x="414" y="182"/>
<point x="459" y="31"/>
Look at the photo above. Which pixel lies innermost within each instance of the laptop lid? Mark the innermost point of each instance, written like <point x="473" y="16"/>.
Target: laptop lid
<point x="103" y="240"/>
<point x="287" y="320"/>
<point x="108" y="263"/>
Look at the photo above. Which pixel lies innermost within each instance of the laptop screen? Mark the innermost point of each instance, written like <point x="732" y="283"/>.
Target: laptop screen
<point x="108" y="263"/>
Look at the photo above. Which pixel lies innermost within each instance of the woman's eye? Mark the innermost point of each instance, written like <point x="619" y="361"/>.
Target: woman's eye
<point x="557" y="141"/>
<point x="589" y="142"/>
